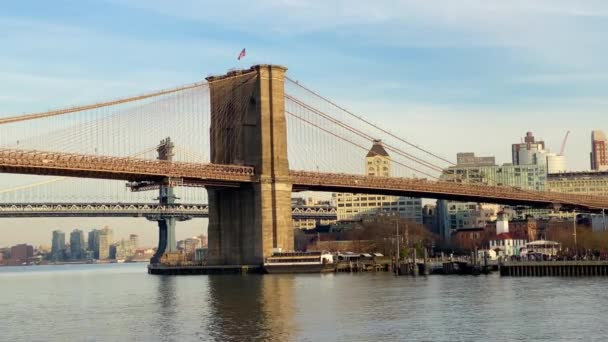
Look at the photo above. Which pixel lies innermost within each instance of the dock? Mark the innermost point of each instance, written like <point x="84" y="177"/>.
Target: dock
<point x="203" y="270"/>
<point x="581" y="268"/>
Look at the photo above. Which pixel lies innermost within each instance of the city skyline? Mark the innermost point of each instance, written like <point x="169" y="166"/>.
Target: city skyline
<point x="487" y="74"/>
<point x="40" y="229"/>
<point x="327" y="170"/>
<point x="478" y="73"/>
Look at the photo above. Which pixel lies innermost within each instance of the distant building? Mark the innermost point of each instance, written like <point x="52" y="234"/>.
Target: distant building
<point x="58" y="246"/>
<point x="106" y="236"/>
<point x="529" y="151"/>
<point x="429" y="218"/>
<point x="309" y="204"/>
<point x="21" y="254"/>
<point x="556" y="163"/>
<point x="457" y="216"/>
<point x="519" y="229"/>
<point x="583" y="183"/>
<point x="77" y="250"/>
<point x="125" y="249"/>
<point x="452" y="216"/>
<point x="134" y="239"/>
<point x="469" y="159"/>
<point x="191" y="244"/>
<point x="93" y="242"/>
<point x="505" y="244"/>
<point x="356" y="206"/>
<point x="200" y="255"/>
<point x="599" y="151"/>
<point x="533" y="152"/>
<point x="204" y="240"/>
<point x="530" y="177"/>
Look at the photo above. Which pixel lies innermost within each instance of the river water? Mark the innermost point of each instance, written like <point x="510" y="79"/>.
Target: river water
<point x="121" y="302"/>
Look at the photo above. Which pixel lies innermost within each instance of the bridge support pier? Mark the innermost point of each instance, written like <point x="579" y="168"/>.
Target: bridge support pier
<point x="248" y="127"/>
<point x="166" y="224"/>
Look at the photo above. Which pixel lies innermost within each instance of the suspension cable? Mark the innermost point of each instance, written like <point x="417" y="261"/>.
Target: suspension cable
<point x="369" y="123"/>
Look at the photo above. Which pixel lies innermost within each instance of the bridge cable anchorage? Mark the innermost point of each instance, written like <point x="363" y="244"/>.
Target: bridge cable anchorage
<point x="353" y="143"/>
<point x="368" y="122"/>
<point x="364" y="135"/>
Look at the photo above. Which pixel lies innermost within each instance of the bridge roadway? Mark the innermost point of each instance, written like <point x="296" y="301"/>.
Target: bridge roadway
<point x="148" y="210"/>
<point x="139" y="210"/>
<point x="198" y="174"/>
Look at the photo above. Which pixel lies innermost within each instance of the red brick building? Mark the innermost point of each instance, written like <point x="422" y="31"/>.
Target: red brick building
<point x="21" y="253"/>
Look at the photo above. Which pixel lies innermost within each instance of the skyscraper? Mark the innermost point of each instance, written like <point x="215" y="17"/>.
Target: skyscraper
<point x="354" y="206"/>
<point x="77" y="244"/>
<point x="105" y="241"/>
<point x="58" y="245"/>
<point x="599" y="151"/>
<point x="134" y="240"/>
<point x="93" y="242"/>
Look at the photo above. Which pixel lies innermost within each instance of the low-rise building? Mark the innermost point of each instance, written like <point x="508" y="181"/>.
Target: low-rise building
<point x="378" y="163"/>
<point x="506" y="246"/>
<point x="584" y="183"/>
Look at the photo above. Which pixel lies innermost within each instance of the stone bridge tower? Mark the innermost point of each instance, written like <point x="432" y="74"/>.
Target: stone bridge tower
<point x="248" y="127"/>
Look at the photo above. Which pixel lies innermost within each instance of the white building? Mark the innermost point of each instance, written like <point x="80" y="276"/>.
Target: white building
<point x="556" y="163"/>
<point x="355" y="206"/>
<point x="504" y="245"/>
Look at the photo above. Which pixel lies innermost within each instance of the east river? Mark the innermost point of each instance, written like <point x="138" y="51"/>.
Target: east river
<point x="121" y="302"/>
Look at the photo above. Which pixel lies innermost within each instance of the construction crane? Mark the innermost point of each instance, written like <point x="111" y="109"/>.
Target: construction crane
<point x="561" y="151"/>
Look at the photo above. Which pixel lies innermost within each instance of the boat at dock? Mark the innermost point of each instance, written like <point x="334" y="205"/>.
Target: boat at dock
<point x="299" y="262"/>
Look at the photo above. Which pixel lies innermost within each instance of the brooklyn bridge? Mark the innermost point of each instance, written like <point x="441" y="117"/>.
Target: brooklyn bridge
<point x="243" y="142"/>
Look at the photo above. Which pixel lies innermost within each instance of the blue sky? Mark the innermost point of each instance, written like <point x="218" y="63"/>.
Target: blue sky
<point x="453" y="75"/>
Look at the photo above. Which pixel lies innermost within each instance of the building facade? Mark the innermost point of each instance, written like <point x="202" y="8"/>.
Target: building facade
<point x="134" y="239"/>
<point x="307" y="204"/>
<point x="530" y="177"/>
<point x="453" y="216"/>
<point x="529" y="151"/>
<point x="21" y="254"/>
<point x="58" y="246"/>
<point x="584" y="183"/>
<point x="356" y="206"/>
<point x="125" y="249"/>
<point x="93" y="243"/>
<point x="77" y="246"/>
<point x="599" y="151"/>
<point x="106" y="236"/>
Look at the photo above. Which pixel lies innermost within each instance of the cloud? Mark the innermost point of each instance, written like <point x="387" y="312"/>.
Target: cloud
<point x="561" y="78"/>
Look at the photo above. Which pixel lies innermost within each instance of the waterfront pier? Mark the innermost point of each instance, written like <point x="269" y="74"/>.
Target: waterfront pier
<point x="554" y="269"/>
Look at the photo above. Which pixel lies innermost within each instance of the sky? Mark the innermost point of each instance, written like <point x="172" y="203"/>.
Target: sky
<point x="452" y="75"/>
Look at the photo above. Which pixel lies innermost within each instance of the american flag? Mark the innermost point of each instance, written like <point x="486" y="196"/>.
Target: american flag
<point x="241" y="55"/>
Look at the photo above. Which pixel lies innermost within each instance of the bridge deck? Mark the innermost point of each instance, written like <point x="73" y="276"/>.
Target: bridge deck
<point x="148" y="210"/>
<point x="196" y="175"/>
